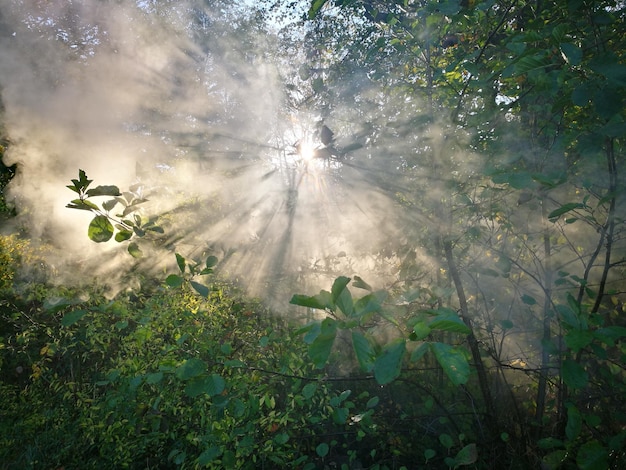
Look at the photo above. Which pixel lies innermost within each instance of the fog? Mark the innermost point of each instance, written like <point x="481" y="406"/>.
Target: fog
<point x="202" y="108"/>
<point x="188" y="102"/>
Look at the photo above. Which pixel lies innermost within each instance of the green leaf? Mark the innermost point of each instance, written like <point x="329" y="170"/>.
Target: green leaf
<point x="517" y="180"/>
<point x="388" y="365"/>
<point x="309" y="390"/>
<point x="82" y="204"/>
<point x="81" y="183"/>
<point x="72" y="317"/>
<point x="467" y="455"/>
<point x="123" y="235"/>
<point x="364" y="351"/>
<point x="528" y="300"/>
<point x="322" y="450"/>
<point x="209" y="456"/>
<point x="134" y="250"/>
<point x="212" y="385"/>
<point x="592" y="455"/>
<point x="56" y="304"/>
<point x="573" y="54"/>
<point x="448" y="320"/>
<point x="610" y="334"/>
<point x="200" y="288"/>
<point x="340" y="415"/>
<point x="104" y="191"/>
<point x="319" y="349"/>
<point x="372" y="403"/>
<point x="190" y="368"/>
<point x="108" y="205"/>
<point x="574" y="423"/>
<point x="321" y="301"/>
<point x="446" y="440"/>
<point x="453" y="362"/>
<point x="421" y="330"/>
<point x="368" y="304"/>
<point x="549" y="443"/>
<point x="429" y="454"/>
<point x="568" y="316"/>
<point x="154" y="378"/>
<point x="531" y="63"/>
<point x="565" y="208"/>
<point x="341" y="296"/>
<point x="419" y="352"/>
<point x="578" y="339"/>
<point x="174" y="280"/>
<point x="211" y="261"/>
<point x="361" y="284"/>
<point x="574" y="375"/>
<point x="180" y="260"/>
<point x="100" y="229"/>
<point x="282" y="438"/>
<point x="155" y="228"/>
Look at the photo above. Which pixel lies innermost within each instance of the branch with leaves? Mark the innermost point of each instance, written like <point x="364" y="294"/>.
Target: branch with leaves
<point x="103" y="226"/>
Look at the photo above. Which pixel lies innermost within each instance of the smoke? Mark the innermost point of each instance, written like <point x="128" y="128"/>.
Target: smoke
<point x="188" y="101"/>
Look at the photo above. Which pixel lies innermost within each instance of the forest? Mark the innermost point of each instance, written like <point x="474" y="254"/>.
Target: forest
<point x="313" y="234"/>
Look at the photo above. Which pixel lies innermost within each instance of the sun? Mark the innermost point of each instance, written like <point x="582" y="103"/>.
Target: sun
<point x="306" y="151"/>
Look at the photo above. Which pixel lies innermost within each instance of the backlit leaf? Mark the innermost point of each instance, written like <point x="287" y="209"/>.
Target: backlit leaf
<point x="341" y="296"/>
<point x="180" y="260"/>
<point x="367" y="304"/>
<point x="108" y="205"/>
<point x="320" y="348"/>
<point x="104" y="191"/>
<point x="448" y="320"/>
<point x="555" y="214"/>
<point x="100" y="229"/>
<point x="134" y="250"/>
<point x="123" y="235"/>
<point x="364" y="351"/>
<point x="321" y="301"/>
<point x="174" y="280"/>
<point x="200" y="288"/>
<point x="361" y="284"/>
<point x="82" y="205"/>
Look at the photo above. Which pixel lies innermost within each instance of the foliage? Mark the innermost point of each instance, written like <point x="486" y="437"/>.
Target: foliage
<point x="104" y="225"/>
<point x="166" y="380"/>
<point x="385" y="362"/>
<point x="501" y="341"/>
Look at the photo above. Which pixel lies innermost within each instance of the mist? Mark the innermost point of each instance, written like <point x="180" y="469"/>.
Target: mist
<point x="189" y="103"/>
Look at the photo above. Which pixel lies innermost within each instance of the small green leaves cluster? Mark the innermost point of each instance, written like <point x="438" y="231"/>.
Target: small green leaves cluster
<point x="125" y="224"/>
<point x="189" y="271"/>
<point x="384" y="361"/>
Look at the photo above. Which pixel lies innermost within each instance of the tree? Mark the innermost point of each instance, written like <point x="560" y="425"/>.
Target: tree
<point x="550" y="70"/>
